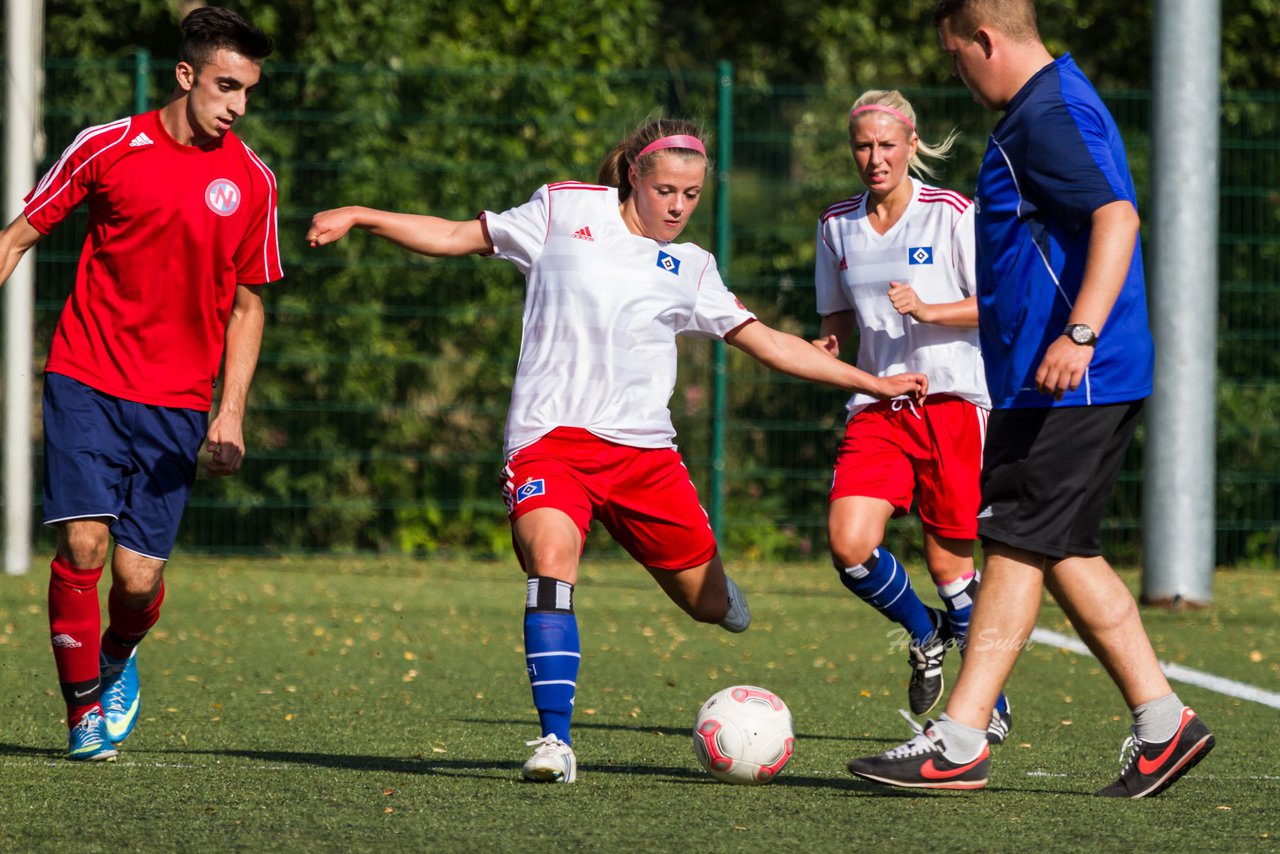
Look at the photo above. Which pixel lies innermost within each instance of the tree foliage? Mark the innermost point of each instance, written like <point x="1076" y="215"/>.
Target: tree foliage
<point x="379" y="405"/>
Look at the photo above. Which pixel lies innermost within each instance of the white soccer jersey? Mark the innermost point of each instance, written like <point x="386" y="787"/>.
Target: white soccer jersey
<point x="602" y="311"/>
<point x="930" y="248"/>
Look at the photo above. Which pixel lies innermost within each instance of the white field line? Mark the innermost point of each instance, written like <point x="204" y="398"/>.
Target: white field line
<point x="1177" y="672"/>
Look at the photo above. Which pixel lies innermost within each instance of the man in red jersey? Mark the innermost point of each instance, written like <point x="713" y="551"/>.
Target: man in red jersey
<point x="182" y="236"/>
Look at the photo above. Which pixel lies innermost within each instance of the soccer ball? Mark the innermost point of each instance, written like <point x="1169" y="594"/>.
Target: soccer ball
<point x="744" y="735"/>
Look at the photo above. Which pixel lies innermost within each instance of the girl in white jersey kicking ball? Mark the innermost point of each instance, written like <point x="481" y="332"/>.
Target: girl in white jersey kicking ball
<point x="896" y="264"/>
<point x="588" y="433"/>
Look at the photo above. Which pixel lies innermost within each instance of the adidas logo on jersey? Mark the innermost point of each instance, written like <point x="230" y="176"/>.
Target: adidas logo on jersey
<point x="584" y="233"/>
<point x="140" y="139"/>
<point x="844" y="263"/>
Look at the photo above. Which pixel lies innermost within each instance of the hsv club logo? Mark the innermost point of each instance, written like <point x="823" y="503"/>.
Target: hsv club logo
<point x="531" y="488"/>
<point x="222" y="196"/>
<point x="919" y="255"/>
<point x="669" y="263"/>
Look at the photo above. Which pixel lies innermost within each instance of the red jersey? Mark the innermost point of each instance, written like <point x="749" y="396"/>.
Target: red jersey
<point x="173" y="229"/>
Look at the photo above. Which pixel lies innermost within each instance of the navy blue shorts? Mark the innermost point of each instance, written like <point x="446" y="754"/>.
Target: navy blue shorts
<point x="108" y="457"/>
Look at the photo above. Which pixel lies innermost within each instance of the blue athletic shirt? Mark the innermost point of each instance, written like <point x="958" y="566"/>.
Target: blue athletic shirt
<point x="1053" y="159"/>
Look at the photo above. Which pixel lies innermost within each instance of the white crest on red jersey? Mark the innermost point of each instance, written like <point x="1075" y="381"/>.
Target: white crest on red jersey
<point x="222" y="196"/>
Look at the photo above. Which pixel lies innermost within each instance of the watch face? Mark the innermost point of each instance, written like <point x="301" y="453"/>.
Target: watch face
<point x="1081" y="334"/>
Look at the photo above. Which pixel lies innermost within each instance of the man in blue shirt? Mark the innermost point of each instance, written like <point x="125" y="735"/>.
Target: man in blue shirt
<point x="1068" y="353"/>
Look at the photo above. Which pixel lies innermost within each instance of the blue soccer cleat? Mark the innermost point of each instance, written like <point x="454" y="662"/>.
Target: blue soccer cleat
<point x="89" y="741"/>
<point x="120" y="694"/>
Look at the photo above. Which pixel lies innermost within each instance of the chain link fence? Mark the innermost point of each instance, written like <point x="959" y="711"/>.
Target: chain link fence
<point x="376" y="418"/>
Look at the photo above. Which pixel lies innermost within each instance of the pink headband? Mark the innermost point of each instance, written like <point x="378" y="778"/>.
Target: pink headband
<point x="678" y="141"/>
<point x="897" y="114"/>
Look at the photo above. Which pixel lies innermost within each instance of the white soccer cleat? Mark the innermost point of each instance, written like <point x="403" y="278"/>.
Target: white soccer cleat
<point x="552" y="762"/>
<point x="739" y="616"/>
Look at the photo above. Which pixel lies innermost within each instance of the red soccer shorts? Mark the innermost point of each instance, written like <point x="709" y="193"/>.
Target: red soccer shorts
<point x="891" y="449"/>
<point x="643" y="496"/>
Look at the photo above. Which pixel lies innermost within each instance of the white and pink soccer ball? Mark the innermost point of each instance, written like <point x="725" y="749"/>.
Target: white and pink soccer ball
<point x="744" y="735"/>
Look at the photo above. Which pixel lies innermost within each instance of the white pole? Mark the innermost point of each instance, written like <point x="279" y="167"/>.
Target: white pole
<point x="1178" y="528"/>
<point x="21" y="143"/>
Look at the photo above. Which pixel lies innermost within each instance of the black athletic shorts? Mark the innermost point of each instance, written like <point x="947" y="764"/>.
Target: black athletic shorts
<point x="1047" y="475"/>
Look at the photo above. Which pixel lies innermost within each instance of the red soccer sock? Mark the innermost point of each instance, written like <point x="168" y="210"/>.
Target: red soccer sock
<point x="128" y="627"/>
<point x="75" y="621"/>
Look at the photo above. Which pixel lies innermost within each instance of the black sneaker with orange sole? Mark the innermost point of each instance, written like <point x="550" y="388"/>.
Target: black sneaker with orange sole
<point x="921" y="764"/>
<point x="1149" y="769"/>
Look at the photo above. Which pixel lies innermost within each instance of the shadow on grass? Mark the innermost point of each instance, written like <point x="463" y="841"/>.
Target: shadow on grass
<point x="675" y="731"/>
<point x="24" y="750"/>
<point x="509" y="769"/>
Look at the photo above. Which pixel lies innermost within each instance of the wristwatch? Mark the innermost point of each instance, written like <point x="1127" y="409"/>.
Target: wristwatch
<point x="1082" y="334"/>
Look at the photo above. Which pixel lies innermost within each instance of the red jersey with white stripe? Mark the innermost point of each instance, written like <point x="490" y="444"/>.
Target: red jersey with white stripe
<point x="173" y="229"/>
<point x="930" y="248"/>
<point x="602" y="311"/>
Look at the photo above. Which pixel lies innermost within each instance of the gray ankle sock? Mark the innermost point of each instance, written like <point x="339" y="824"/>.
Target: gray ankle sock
<point x="962" y="743"/>
<point x="1157" y="721"/>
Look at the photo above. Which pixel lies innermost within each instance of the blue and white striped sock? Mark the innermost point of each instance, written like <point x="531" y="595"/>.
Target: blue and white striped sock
<point x="958" y="596"/>
<point x="883" y="584"/>
<point x="552" y="653"/>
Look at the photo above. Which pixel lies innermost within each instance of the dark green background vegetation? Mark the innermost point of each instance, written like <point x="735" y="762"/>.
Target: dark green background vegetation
<point x="377" y="413"/>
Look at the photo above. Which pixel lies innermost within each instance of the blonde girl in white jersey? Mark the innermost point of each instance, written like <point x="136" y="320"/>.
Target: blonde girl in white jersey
<point x="895" y="263"/>
<point x="588" y="432"/>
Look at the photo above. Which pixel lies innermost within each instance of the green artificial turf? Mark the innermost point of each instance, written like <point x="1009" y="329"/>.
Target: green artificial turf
<point x="360" y="704"/>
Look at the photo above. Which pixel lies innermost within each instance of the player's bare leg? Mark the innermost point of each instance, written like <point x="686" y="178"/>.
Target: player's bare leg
<point x="855" y="530"/>
<point x="1103" y="611"/>
<point x="550" y="544"/>
<point x="1168" y="737"/>
<point x="1003" y="617"/>
<point x="706" y="594"/>
<point x="137" y="592"/>
<point x="951" y="565"/>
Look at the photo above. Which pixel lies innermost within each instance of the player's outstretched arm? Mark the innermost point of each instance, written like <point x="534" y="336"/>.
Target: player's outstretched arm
<point x="791" y="355"/>
<point x="14" y="243"/>
<point x="426" y="235"/>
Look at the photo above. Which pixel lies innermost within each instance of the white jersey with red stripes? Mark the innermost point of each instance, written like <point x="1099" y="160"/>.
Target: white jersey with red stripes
<point x="173" y="229"/>
<point x="930" y="248"/>
<point x="602" y="311"/>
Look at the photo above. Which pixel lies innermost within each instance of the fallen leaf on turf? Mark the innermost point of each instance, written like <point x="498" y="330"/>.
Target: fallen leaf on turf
<point x="1255" y="656"/>
<point x="1223" y="807"/>
<point x="438" y="750"/>
<point x="388" y="810"/>
<point x="388" y="792"/>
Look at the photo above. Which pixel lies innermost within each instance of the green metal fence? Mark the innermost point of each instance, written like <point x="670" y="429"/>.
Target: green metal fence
<point x="376" y="417"/>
